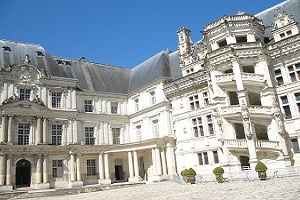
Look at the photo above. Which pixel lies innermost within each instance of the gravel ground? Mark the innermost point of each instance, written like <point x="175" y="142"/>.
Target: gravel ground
<point x="287" y="188"/>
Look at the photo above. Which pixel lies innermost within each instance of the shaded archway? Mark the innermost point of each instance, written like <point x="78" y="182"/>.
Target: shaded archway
<point x="23" y="173"/>
<point x="245" y="162"/>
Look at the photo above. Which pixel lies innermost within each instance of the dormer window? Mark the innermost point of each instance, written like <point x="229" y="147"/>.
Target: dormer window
<point x="222" y="43"/>
<point x="39" y="53"/>
<point x="6" y="48"/>
<point x="60" y="62"/>
<point x="240" y="39"/>
<point x="67" y="63"/>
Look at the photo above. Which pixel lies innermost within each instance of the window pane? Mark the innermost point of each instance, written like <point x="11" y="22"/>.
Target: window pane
<point x="295" y="146"/>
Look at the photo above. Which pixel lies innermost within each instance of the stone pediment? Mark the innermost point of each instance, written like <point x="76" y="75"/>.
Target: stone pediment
<point x="17" y="106"/>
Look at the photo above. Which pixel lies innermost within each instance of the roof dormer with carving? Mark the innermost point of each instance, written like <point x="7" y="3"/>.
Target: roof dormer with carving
<point x="284" y="27"/>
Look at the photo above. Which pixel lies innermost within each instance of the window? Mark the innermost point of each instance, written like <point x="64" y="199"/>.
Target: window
<point x="88" y="105"/>
<point x="89" y="136"/>
<point x="294" y="72"/>
<point x="297" y="97"/>
<point x="289" y="32"/>
<point x="152" y="97"/>
<point x="286" y="107"/>
<point x="278" y="77"/>
<point x="210" y="125"/>
<point x="57" y="168"/>
<point x="56" y="99"/>
<point x="139" y="133"/>
<point x="91" y="167"/>
<point x="114" y="107"/>
<point x="282" y="35"/>
<point x="203" y="158"/>
<point x="116" y="135"/>
<point x="194" y="102"/>
<point x="200" y="158"/>
<point x="240" y="39"/>
<point x="197" y="127"/>
<point x="155" y="128"/>
<point x="56" y="134"/>
<point x="216" y="157"/>
<point x="25" y="94"/>
<point x="295" y="145"/>
<point x="39" y="53"/>
<point x="23" y="134"/>
<point x="205" y="98"/>
<point x="6" y="48"/>
<point x="222" y="43"/>
<point x="136" y="104"/>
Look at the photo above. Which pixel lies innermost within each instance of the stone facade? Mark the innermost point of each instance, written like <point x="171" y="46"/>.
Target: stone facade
<point x="69" y="123"/>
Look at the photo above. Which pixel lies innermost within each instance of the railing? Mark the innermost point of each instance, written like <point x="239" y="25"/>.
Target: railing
<point x="252" y="77"/>
<point x="230" y="109"/>
<point x="240" y="143"/>
<point x="225" y="78"/>
<point x="260" y="109"/>
<point x="266" y="144"/>
<point x="234" y="109"/>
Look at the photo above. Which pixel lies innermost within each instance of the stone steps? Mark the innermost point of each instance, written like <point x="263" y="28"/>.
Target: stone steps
<point x="31" y="193"/>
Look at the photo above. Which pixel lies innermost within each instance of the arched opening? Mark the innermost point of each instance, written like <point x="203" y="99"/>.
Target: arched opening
<point x="23" y="173"/>
<point x="119" y="173"/>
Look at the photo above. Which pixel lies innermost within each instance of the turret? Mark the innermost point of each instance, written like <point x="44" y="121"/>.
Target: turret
<point x="185" y="44"/>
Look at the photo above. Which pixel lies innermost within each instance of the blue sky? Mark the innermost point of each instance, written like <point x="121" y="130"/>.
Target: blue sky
<point x="116" y="32"/>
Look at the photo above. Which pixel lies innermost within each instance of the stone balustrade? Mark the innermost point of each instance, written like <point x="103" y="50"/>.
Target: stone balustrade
<point x="235" y="109"/>
<point x="225" y="78"/>
<point x="252" y="77"/>
<point x="266" y="144"/>
<point x="259" y="144"/>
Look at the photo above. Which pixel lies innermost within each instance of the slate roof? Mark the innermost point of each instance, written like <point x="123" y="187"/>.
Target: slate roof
<point x="291" y="7"/>
<point x="93" y="77"/>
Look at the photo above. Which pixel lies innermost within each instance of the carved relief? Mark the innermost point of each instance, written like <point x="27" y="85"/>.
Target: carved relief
<point x="246" y="121"/>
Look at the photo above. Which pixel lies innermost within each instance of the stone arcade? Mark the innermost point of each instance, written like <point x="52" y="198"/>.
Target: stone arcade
<point x="230" y="99"/>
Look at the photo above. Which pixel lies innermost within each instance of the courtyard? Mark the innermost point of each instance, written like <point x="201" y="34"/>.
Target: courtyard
<point x="281" y="188"/>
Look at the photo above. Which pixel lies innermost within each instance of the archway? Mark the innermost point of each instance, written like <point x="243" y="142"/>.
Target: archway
<point x="23" y="173"/>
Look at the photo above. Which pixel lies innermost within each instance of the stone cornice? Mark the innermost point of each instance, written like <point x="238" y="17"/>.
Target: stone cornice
<point x="185" y="84"/>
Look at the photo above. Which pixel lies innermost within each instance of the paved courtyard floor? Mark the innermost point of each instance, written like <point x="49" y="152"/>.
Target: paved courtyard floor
<point x="287" y="188"/>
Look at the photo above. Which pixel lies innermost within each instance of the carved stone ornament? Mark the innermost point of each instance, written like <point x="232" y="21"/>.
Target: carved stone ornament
<point x="11" y="99"/>
<point x="246" y="121"/>
<point x="38" y="100"/>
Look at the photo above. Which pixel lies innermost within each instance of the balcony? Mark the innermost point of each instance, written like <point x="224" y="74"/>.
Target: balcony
<point x="259" y="144"/>
<point x="247" y="78"/>
<point x="254" y="111"/>
<point x="253" y="79"/>
<point x="225" y="79"/>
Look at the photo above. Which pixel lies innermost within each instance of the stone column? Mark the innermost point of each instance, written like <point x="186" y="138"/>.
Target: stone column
<point x="9" y="130"/>
<point x="78" y="172"/>
<point x="45" y="131"/>
<point x="163" y="161"/>
<point x="130" y="164"/>
<point x="101" y="171"/>
<point x="158" y="161"/>
<point x="154" y="162"/>
<point x="2" y="169"/>
<point x="8" y="170"/>
<point x="3" y="135"/>
<point x="72" y="167"/>
<point x="170" y="159"/>
<point x="39" y="169"/>
<point x="136" y="165"/>
<point x="106" y="166"/>
<point x="38" y="135"/>
<point x="45" y="169"/>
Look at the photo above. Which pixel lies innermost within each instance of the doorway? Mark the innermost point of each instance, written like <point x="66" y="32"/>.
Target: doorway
<point x="119" y="175"/>
<point x="245" y="165"/>
<point x="23" y="173"/>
